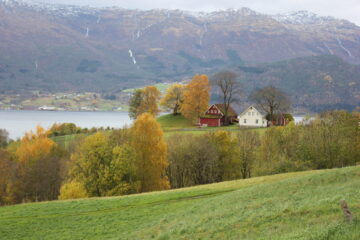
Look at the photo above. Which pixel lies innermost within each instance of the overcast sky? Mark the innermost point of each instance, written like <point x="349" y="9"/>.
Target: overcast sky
<point x="346" y="9"/>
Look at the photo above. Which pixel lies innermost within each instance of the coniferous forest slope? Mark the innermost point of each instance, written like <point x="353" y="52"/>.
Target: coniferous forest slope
<point x="66" y="48"/>
<point x="303" y="205"/>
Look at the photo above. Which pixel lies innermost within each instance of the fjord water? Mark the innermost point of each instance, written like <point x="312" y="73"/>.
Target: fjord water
<point x="18" y="122"/>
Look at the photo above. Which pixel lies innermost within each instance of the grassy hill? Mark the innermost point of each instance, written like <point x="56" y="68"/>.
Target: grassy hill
<point x="172" y="124"/>
<point x="303" y="205"/>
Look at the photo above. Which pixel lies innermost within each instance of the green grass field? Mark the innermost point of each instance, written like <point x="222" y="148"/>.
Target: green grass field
<point x="170" y="124"/>
<point x="173" y="124"/>
<point x="303" y="205"/>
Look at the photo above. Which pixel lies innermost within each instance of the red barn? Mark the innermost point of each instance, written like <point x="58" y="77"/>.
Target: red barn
<point x="215" y="116"/>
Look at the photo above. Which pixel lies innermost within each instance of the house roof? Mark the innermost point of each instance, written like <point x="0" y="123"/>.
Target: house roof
<point x="245" y="111"/>
<point x="221" y="107"/>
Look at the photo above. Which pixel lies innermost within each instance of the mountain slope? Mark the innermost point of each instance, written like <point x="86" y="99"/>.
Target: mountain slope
<point x="68" y="48"/>
<point x="317" y="83"/>
<point x="302" y="205"/>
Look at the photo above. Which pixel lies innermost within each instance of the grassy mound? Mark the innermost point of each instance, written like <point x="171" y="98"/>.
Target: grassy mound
<point x="302" y="205"/>
<point x="170" y="121"/>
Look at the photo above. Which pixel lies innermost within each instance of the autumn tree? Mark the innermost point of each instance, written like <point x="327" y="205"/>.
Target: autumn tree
<point x="226" y="82"/>
<point x="4" y="138"/>
<point x="72" y="190"/>
<point x="271" y="100"/>
<point x="102" y="168"/>
<point x="248" y="143"/>
<point x="193" y="161"/>
<point x="34" y="145"/>
<point x="7" y="177"/>
<point x="225" y="145"/>
<point x="196" y="98"/>
<point x="144" y="100"/>
<point x="90" y="163"/>
<point x="63" y="129"/>
<point x="38" y="171"/>
<point x="151" y="153"/>
<point x="134" y="103"/>
<point x="149" y="104"/>
<point x="173" y="98"/>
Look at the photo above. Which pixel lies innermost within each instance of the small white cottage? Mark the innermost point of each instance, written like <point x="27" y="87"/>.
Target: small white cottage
<point x="251" y="117"/>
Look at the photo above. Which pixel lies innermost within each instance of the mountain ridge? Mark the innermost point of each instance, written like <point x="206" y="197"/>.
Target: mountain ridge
<point x="63" y="48"/>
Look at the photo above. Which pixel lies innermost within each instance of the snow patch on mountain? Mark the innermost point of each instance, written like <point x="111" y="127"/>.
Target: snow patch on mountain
<point x="301" y="17"/>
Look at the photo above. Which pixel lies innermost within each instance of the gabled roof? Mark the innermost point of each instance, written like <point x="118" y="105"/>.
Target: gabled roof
<point x="221" y="107"/>
<point x="252" y="106"/>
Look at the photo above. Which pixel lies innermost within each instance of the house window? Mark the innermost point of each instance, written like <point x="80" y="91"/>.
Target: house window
<point x="245" y="120"/>
<point x="249" y="113"/>
<point x="257" y="121"/>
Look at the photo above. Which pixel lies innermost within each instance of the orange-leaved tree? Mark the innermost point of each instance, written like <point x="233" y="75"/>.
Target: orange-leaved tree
<point x="34" y="146"/>
<point x="173" y="98"/>
<point x="196" y="98"/>
<point x="38" y="173"/>
<point x="151" y="153"/>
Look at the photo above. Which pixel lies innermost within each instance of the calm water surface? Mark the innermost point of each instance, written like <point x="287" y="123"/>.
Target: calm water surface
<point x="18" y="122"/>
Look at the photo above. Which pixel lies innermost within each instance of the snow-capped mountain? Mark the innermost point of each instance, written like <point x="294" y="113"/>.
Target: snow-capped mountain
<point x="302" y="17"/>
<point x="72" y="46"/>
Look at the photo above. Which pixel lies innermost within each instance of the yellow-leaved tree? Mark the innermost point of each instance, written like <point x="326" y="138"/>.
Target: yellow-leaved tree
<point x="149" y="102"/>
<point x="72" y="190"/>
<point x="196" y="98"/>
<point x="151" y="153"/>
<point x="173" y="98"/>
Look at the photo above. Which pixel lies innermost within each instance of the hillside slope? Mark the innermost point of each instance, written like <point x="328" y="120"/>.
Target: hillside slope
<point x="61" y="47"/>
<point x="302" y="205"/>
<point x="317" y="83"/>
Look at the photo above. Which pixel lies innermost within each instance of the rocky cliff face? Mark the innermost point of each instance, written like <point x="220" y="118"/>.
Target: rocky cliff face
<point x="58" y="47"/>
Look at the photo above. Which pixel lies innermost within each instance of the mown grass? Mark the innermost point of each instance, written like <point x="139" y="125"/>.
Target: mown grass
<point x="171" y="124"/>
<point x="303" y="205"/>
<point x="177" y="124"/>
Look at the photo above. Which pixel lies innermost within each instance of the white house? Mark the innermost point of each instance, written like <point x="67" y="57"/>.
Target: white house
<point x="251" y="117"/>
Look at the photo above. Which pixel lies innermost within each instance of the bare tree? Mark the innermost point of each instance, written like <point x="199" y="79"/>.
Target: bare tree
<point x="229" y="87"/>
<point x="271" y="100"/>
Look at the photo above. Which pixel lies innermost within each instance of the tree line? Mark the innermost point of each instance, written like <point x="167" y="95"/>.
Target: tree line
<point x="192" y="99"/>
<point x="140" y="159"/>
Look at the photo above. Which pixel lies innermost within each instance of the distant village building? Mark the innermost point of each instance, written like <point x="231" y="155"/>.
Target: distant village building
<point x="46" y="108"/>
<point x="251" y="117"/>
<point x="215" y="116"/>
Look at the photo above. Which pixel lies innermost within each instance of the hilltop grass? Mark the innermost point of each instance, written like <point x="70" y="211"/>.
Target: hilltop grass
<point x="174" y="124"/>
<point x="303" y="205"/>
<point x="171" y="124"/>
